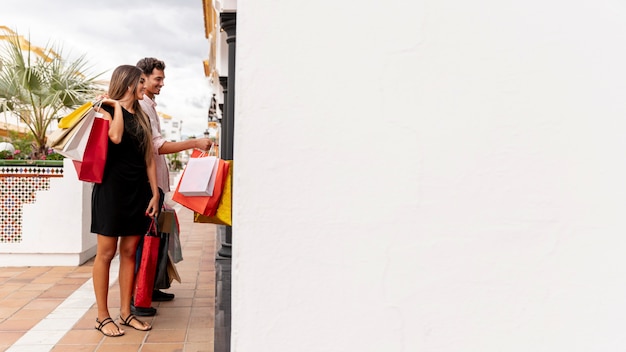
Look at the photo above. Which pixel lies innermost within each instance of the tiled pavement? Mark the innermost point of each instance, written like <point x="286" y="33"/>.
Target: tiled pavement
<point x="52" y="308"/>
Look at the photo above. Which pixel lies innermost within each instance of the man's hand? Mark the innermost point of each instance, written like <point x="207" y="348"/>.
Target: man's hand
<point x="204" y="143"/>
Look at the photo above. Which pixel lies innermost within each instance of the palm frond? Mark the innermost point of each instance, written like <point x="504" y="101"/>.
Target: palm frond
<point x="36" y="87"/>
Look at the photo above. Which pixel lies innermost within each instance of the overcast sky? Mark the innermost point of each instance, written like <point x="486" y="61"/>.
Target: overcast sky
<point x="115" y="32"/>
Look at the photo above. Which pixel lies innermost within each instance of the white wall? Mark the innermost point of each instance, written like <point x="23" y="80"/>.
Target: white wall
<point x="430" y="176"/>
<point x="56" y="227"/>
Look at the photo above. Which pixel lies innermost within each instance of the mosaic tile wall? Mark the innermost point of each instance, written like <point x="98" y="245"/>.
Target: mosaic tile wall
<point x="18" y="186"/>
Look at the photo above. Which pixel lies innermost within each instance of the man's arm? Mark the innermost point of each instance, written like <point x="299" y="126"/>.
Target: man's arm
<point x="175" y="147"/>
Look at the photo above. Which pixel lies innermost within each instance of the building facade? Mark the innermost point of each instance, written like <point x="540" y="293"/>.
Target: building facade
<point x="429" y="176"/>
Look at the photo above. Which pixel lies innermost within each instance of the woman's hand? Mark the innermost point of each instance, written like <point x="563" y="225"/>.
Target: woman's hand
<point x="108" y="101"/>
<point x="153" y="206"/>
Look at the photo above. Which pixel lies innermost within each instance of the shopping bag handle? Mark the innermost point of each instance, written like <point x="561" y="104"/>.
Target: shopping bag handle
<point x="153" y="225"/>
<point x="212" y="151"/>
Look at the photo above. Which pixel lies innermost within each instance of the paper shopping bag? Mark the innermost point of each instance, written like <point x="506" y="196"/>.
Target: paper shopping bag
<point x="166" y="220"/>
<point x="206" y="205"/>
<point x="75" y="146"/>
<point x="75" y="116"/>
<point x="161" y="277"/>
<point x="198" y="178"/>
<point x="91" y="168"/>
<point x="175" y="247"/>
<point x="172" y="271"/>
<point x="67" y="125"/>
<point x="59" y="137"/>
<point x="223" y="213"/>
<point x="144" y="281"/>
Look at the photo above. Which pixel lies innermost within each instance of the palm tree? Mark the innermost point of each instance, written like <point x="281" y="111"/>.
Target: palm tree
<point x="38" y="88"/>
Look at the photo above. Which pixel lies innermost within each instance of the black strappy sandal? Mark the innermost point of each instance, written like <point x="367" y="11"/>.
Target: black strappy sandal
<point x="130" y="318"/>
<point x="106" y="322"/>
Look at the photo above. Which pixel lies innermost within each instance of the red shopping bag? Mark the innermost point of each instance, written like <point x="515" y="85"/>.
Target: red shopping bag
<point x="205" y="205"/>
<point x="144" y="281"/>
<point x="91" y="169"/>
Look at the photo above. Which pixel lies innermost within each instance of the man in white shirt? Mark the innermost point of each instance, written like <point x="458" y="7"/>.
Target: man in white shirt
<point x="154" y="70"/>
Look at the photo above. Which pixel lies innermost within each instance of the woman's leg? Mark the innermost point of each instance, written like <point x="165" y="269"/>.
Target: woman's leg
<point x="128" y="249"/>
<point x="105" y="251"/>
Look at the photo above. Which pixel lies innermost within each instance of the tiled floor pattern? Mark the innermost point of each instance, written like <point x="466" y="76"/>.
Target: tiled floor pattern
<point x="43" y="304"/>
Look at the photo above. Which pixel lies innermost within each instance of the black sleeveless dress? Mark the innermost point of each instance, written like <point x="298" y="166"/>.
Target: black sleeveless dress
<point x="118" y="204"/>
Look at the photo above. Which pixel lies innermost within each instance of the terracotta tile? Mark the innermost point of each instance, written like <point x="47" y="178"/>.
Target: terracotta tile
<point x="33" y="314"/>
<point x="18" y="324"/>
<point x="162" y="347"/>
<point x="203" y="302"/>
<point x="74" y="348"/>
<point x="87" y="322"/>
<point x="46" y="279"/>
<point x="199" y="347"/>
<point x="14" y="302"/>
<point x="62" y="269"/>
<point x="170" y="324"/>
<point x="182" y="293"/>
<point x="66" y="287"/>
<point x="83" y="272"/>
<point x="201" y="323"/>
<point x="60" y="291"/>
<point x="200" y="335"/>
<point x="185" y="285"/>
<point x="177" y="302"/>
<point x="9" y="337"/>
<point x="130" y="337"/>
<point x="80" y="337"/>
<point x="11" y="271"/>
<point x="120" y="347"/>
<point x="158" y="336"/>
<point x="22" y="294"/>
<point x="40" y="303"/>
<point x="28" y="275"/>
<point x="73" y="281"/>
<point x="7" y="312"/>
<point x="36" y="286"/>
<point x="205" y="293"/>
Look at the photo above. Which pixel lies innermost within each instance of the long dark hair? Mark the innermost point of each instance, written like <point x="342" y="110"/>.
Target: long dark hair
<point x="124" y="77"/>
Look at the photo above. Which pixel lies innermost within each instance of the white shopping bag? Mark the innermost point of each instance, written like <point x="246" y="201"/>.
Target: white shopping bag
<point x="76" y="144"/>
<point x="199" y="177"/>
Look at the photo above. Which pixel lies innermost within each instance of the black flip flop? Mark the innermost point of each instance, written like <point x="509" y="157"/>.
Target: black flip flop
<point x="129" y="319"/>
<point x="106" y="322"/>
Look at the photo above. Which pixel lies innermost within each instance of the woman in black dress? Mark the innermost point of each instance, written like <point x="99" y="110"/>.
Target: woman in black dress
<point x="128" y="197"/>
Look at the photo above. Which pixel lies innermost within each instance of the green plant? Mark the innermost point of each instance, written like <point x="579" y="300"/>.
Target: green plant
<point x="5" y="154"/>
<point x="174" y="161"/>
<point x="54" y="156"/>
<point x="23" y="145"/>
<point x="38" y="89"/>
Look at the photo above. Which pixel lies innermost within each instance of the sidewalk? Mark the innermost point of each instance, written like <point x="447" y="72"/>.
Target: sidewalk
<point x="52" y="308"/>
